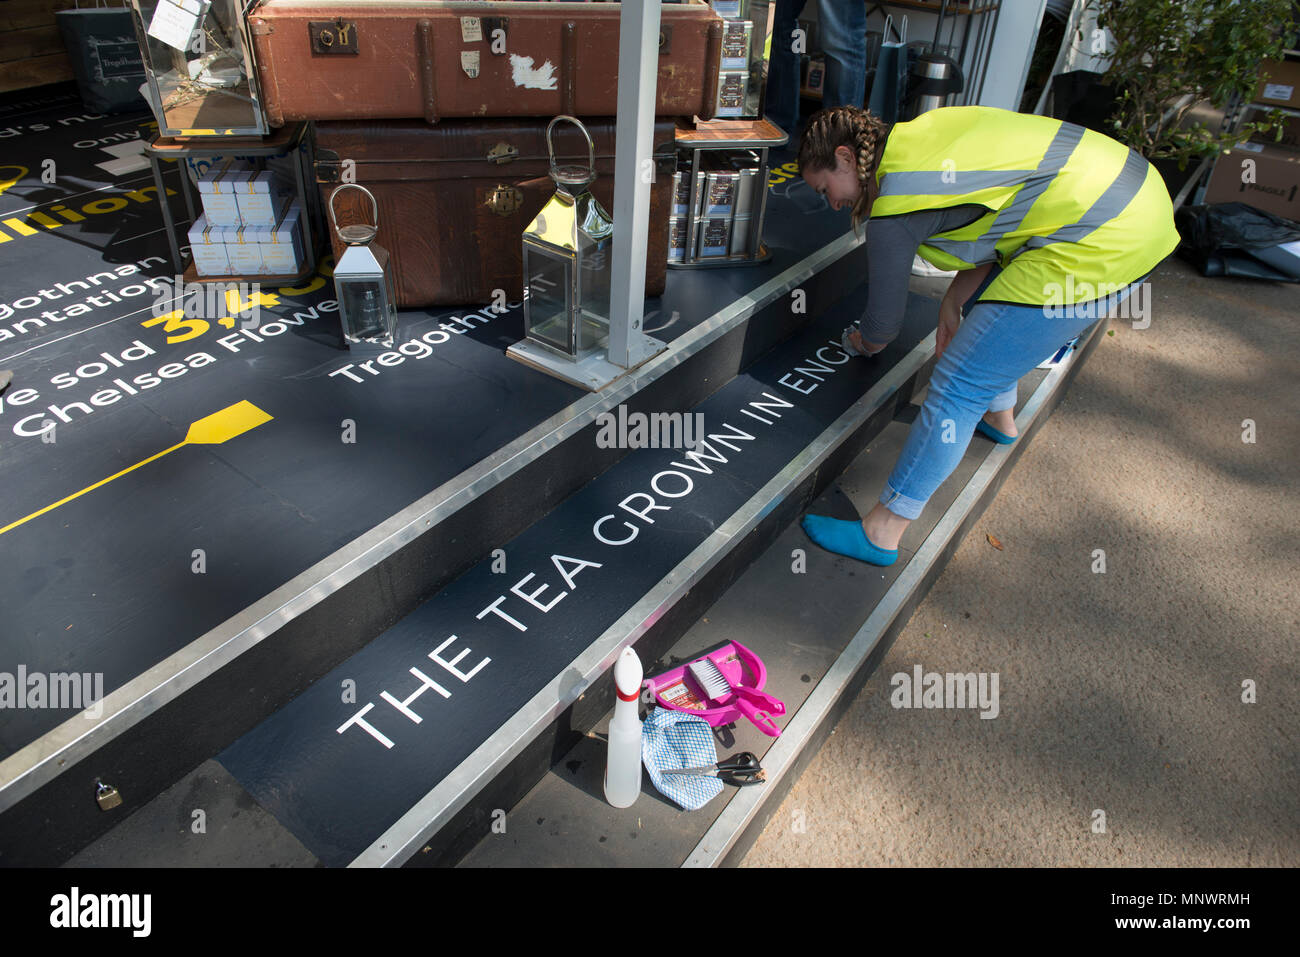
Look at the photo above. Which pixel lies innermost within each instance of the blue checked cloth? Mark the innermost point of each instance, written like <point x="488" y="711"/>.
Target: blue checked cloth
<point x="673" y="740"/>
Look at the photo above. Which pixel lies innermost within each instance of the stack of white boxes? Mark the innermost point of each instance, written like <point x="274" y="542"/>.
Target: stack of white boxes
<point x="250" y="225"/>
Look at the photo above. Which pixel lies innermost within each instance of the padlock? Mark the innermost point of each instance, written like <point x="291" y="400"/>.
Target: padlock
<point x="107" y="796"/>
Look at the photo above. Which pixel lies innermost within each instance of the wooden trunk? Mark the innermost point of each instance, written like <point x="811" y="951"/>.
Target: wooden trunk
<point x="454" y="199"/>
<point x="436" y="59"/>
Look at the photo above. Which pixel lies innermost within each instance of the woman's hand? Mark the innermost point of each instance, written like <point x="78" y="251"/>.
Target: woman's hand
<point x="960" y="289"/>
<point x="864" y="347"/>
<point x="949" y="322"/>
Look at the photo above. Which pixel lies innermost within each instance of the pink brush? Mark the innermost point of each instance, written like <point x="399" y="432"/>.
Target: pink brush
<point x="720" y="686"/>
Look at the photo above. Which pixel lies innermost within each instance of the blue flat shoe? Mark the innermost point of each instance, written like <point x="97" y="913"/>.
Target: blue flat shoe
<point x="999" y="437"/>
<point x="846" y="538"/>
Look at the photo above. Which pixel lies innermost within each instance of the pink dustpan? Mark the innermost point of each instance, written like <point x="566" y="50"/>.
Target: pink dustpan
<point x="677" y="690"/>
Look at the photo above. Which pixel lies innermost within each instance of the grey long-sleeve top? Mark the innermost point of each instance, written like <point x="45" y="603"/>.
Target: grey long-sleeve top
<point x="891" y="246"/>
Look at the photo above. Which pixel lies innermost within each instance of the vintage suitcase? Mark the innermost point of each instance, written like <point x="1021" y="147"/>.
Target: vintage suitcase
<point x="455" y="199"/>
<point x="436" y="59"/>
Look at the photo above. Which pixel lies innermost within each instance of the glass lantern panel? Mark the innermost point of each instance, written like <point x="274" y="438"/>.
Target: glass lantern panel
<point x="548" y="298"/>
<point x="595" y="268"/>
<point x="199" y="67"/>
<point x="366" y="309"/>
<point x="391" y="332"/>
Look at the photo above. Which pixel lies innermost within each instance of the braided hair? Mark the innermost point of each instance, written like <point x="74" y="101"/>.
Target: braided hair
<point x="861" y="131"/>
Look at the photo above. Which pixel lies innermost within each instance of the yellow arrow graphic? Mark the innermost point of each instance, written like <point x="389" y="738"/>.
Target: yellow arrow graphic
<point x="214" y="429"/>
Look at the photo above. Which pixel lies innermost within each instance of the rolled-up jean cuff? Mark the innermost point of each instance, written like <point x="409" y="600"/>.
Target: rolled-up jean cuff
<point x="1003" y="401"/>
<point x="900" y="504"/>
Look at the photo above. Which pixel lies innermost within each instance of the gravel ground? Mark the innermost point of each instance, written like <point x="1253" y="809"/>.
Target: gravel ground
<point x="1120" y="692"/>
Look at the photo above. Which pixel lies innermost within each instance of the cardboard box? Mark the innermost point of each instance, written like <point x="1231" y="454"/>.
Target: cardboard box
<point x="208" y="247"/>
<point x="1279" y="83"/>
<point x="1266" y="177"/>
<point x="244" y="250"/>
<point x="1290" y="135"/>
<point x="217" y="197"/>
<point x="260" y="197"/>
<point x="282" y="243"/>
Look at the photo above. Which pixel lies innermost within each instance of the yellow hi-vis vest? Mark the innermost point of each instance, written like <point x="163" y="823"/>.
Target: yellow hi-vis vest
<point x="1073" y="215"/>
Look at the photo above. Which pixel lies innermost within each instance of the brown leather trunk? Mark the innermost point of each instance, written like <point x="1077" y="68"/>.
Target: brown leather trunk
<point x="436" y="59"/>
<point x="454" y="199"/>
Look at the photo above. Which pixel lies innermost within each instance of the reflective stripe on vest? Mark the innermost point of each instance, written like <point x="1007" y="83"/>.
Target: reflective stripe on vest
<point x="1107" y="207"/>
<point x="1009" y="219"/>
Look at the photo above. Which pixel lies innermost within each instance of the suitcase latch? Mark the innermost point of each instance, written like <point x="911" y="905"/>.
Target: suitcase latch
<point x="333" y="36"/>
<point x="504" y="200"/>
<point x="503" y="153"/>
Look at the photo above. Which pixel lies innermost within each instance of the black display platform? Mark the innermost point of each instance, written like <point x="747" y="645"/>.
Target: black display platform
<point x="108" y="582"/>
<point x="128" y="544"/>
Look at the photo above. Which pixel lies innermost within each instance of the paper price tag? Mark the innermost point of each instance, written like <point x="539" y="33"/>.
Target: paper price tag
<point x="174" y="22"/>
<point x="471" y="29"/>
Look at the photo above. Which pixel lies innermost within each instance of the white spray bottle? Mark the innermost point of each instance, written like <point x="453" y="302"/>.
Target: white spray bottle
<point x="623" y="764"/>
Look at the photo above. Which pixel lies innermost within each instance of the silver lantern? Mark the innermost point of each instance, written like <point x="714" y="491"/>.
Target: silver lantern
<point x="362" y="282"/>
<point x="567" y="261"/>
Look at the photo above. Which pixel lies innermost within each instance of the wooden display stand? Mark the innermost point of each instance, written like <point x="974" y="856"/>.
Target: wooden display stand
<point x="287" y="139"/>
<point x="759" y="135"/>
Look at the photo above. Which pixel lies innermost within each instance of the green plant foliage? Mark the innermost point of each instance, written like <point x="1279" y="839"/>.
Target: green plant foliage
<point x="1165" y="49"/>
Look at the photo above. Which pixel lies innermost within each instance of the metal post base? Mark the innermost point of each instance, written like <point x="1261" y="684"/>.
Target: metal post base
<point x="593" y="372"/>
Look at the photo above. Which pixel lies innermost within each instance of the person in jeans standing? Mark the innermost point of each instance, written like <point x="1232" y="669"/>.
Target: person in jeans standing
<point x="1048" y="225"/>
<point x="842" y="29"/>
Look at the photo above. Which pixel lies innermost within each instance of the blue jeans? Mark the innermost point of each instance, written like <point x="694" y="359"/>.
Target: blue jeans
<point x="994" y="346"/>
<point x="842" y="28"/>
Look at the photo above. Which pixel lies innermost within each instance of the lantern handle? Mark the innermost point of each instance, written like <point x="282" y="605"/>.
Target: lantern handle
<point x="355" y="234"/>
<point x="591" y="147"/>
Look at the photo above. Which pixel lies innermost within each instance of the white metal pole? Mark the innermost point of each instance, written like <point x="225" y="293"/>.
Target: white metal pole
<point x="638" y="68"/>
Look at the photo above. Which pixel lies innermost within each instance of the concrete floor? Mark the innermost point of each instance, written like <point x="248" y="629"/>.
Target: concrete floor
<point x="1121" y="691"/>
